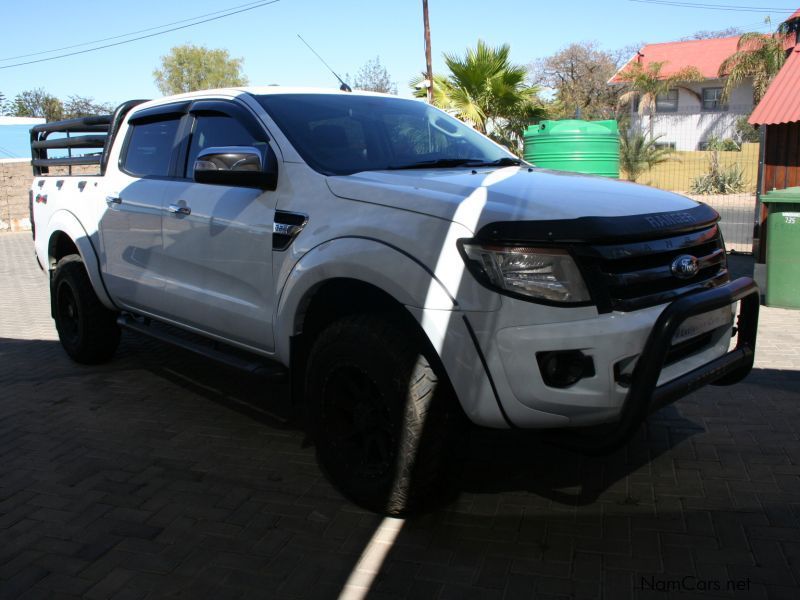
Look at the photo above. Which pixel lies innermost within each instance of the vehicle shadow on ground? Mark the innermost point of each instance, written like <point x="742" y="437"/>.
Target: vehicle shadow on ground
<point x="517" y="514"/>
<point x="486" y="461"/>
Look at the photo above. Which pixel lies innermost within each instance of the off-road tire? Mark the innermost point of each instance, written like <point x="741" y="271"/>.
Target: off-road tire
<point x="88" y="330"/>
<point x="404" y="405"/>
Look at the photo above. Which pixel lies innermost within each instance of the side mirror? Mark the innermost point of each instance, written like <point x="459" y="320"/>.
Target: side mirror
<point x="245" y="166"/>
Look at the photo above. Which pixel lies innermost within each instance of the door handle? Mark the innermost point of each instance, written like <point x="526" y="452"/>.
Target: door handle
<point x="179" y="210"/>
<point x="112" y="199"/>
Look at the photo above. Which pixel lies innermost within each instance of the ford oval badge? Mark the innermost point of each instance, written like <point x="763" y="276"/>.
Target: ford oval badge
<point x="685" y="266"/>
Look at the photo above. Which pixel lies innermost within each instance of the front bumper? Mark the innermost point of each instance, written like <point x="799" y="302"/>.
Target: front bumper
<point x="643" y="337"/>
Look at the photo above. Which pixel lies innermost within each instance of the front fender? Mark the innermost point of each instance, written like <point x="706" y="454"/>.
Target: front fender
<point x="401" y="276"/>
<point x="63" y="221"/>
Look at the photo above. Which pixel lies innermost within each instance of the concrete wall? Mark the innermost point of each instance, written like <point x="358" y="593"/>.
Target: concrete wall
<point x="15" y="179"/>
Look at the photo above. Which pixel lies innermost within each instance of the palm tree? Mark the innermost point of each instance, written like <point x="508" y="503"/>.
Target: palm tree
<point x="646" y="83"/>
<point x="638" y="153"/>
<point x="486" y="90"/>
<point x="758" y="57"/>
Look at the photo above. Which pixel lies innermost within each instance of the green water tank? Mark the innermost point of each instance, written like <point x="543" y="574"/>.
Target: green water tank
<point x="573" y="145"/>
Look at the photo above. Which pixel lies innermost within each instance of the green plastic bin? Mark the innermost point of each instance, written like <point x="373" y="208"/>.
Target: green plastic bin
<point x="783" y="247"/>
<point x="590" y="147"/>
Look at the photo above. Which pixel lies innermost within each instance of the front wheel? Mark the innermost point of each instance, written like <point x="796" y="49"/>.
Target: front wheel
<point x="381" y="412"/>
<point x="88" y="330"/>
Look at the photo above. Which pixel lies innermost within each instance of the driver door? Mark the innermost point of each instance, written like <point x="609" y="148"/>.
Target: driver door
<point x="217" y="239"/>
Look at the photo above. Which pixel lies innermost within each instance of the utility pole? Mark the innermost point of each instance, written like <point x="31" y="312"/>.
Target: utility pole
<point x="428" y="66"/>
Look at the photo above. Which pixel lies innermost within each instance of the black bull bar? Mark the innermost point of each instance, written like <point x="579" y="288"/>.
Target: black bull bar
<point x="646" y="396"/>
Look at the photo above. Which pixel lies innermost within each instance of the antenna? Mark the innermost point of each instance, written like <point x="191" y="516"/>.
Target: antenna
<point x="344" y="87"/>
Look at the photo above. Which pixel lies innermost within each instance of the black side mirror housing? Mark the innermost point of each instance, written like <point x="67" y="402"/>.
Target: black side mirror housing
<point x="245" y="166"/>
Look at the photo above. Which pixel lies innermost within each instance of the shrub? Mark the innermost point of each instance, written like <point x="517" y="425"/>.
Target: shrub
<point x="744" y="132"/>
<point x="720" y="181"/>
<point x="638" y="153"/>
<point x="723" y="145"/>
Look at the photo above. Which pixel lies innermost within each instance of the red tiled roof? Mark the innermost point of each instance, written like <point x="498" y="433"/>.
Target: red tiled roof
<point x="781" y="103"/>
<point x="705" y="55"/>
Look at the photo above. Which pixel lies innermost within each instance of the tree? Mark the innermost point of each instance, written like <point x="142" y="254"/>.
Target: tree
<point x="37" y="103"/>
<point x="790" y="26"/>
<point x="79" y="106"/>
<point x="646" y="83"/>
<point x="579" y="74"/>
<point x="188" y="68"/>
<point x="374" y="77"/>
<point x="712" y="34"/>
<point x="638" y="153"/>
<point x="486" y="90"/>
<point x="758" y="57"/>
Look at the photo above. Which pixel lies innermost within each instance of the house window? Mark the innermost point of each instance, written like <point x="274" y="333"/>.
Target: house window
<point x="667" y="102"/>
<point x="712" y="99"/>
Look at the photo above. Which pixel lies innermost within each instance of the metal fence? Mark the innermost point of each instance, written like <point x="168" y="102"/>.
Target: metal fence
<point x="711" y="156"/>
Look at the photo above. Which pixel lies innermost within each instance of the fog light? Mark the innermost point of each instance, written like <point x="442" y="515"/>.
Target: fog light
<point x="563" y="368"/>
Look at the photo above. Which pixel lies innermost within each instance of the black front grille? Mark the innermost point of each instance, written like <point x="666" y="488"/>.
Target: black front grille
<point x="636" y="275"/>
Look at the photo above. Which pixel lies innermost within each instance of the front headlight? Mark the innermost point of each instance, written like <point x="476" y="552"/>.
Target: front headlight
<point x="547" y="274"/>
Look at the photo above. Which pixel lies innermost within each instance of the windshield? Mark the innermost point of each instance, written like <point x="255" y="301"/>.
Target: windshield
<point x="339" y="134"/>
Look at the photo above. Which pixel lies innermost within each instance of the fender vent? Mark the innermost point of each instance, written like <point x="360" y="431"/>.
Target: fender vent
<point x="287" y="226"/>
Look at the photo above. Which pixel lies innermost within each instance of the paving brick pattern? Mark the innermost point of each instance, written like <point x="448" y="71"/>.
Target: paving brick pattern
<point x="164" y="475"/>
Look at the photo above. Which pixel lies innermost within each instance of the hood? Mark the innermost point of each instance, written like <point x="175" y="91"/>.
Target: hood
<point x="477" y="197"/>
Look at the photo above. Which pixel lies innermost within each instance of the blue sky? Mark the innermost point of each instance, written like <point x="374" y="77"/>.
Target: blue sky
<point x="346" y="33"/>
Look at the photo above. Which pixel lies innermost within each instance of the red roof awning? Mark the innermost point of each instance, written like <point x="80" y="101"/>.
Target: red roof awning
<point x="781" y="103"/>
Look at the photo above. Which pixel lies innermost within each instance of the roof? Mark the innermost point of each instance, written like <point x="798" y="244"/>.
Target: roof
<point x="781" y="103"/>
<point x="234" y="92"/>
<point x="705" y="55"/>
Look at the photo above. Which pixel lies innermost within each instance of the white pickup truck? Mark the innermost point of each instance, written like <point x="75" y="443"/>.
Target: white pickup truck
<point x="398" y="265"/>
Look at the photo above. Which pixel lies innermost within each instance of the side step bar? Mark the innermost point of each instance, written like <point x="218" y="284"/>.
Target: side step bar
<point x="254" y="365"/>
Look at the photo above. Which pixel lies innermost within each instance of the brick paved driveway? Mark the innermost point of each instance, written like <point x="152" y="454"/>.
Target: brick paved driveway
<point x="161" y="474"/>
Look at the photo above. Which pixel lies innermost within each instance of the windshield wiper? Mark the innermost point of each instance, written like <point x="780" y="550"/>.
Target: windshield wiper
<point x="444" y="163"/>
<point x="506" y="161"/>
<point x="438" y="163"/>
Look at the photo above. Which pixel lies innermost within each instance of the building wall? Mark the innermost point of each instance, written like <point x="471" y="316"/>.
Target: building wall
<point x="15" y="179"/>
<point x="781" y="169"/>
<point x="781" y="157"/>
<point x="690" y="126"/>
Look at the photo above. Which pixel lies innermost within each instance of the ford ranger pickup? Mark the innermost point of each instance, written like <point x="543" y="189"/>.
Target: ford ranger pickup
<point x="400" y="268"/>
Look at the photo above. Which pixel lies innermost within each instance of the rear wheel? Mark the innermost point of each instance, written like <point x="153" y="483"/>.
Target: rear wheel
<point x="381" y="412"/>
<point x="88" y="330"/>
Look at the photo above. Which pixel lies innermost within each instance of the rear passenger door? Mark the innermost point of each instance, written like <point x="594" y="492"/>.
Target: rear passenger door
<point x="217" y="239"/>
<point x="131" y="223"/>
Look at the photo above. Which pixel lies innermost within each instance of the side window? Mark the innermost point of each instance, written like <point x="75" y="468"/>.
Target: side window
<point x="216" y="130"/>
<point x="712" y="99"/>
<point x="667" y="102"/>
<point x="150" y="148"/>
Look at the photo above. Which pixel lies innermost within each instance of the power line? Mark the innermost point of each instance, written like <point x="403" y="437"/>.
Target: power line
<point x="723" y="7"/>
<point x="122" y="35"/>
<point x="236" y="12"/>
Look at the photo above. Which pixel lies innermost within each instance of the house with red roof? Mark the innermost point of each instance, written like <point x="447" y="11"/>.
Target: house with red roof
<point x="691" y="113"/>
